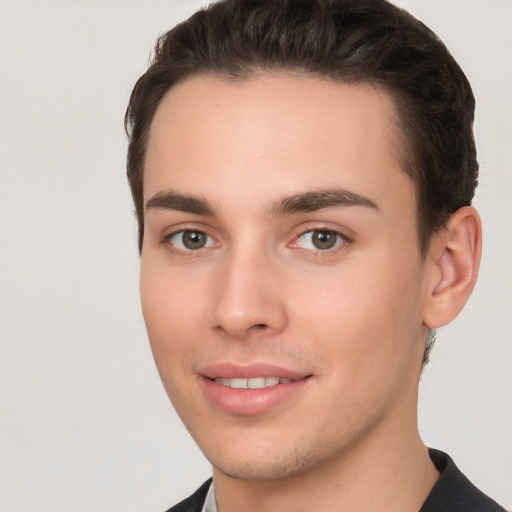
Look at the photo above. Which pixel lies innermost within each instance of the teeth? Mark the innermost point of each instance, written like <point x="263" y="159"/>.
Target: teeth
<point x="252" y="383"/>
<point x="271" y="381"/>
<point x="256" y="383"/>
<point x="239" y="383"/>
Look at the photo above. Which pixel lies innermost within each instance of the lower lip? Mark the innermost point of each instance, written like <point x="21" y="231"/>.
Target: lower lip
<point x="250" y="401"/>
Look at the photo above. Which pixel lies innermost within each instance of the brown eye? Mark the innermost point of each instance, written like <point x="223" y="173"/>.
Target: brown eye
<point x="324" y="239"/>
<point x="193" y="239"/>
<point x="190" y="240"/>
<point x="320" y="239"/>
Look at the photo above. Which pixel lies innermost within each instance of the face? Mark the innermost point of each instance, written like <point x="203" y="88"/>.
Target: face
<point x="281" y="278"/>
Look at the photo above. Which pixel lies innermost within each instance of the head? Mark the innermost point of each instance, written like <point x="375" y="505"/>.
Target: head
<point x="300" y="171"/>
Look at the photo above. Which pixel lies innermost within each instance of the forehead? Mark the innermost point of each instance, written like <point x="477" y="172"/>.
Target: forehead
<point x="274" y="134"/>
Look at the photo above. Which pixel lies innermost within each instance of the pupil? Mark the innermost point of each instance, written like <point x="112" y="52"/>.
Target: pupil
<point x="194" y="239"/>
<point x="324" y="239"/>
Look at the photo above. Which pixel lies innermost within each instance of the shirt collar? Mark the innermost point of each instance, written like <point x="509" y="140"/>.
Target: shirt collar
<point x="210" y="503"/>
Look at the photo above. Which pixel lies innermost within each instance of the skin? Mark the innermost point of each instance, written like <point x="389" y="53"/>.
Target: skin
<point x="352" y="317"/>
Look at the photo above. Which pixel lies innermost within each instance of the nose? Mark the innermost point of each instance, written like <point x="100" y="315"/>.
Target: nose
<point x="250" y="297"/>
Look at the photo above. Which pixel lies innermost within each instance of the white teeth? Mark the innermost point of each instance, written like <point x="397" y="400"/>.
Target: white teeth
<point x="256" y="383"/>
<point x="239" y="383"/>
<point x="252" y="383"/>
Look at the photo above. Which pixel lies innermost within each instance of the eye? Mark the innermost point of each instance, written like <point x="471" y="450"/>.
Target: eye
<point x="319" y="240"/>
<point x="190" y="240"/>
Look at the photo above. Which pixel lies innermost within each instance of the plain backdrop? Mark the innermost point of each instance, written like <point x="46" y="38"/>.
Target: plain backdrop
<point x="84" y="422"/>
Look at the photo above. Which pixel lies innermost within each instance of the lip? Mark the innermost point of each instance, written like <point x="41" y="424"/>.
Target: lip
<point x="232" y="371"/>
<point x="250" y="401"/>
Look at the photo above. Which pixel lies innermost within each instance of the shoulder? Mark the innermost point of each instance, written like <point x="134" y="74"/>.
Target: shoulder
<point x="193" y="503"/>
<point x="453" y="492"/>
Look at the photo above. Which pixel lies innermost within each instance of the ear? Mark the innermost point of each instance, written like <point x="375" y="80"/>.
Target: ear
<point x="453" y="260"/>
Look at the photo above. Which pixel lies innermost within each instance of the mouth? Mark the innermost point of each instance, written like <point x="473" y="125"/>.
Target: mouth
<point x="254" y="389"/>
<point x="253" y="382"/>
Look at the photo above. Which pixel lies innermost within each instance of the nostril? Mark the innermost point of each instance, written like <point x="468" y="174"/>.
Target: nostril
<point x="260" y="326"/>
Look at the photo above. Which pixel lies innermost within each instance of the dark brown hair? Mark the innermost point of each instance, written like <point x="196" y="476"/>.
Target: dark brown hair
<point x="351" y="41"/>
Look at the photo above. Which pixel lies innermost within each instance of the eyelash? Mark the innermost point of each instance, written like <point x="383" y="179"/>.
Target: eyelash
<point x="340" y="242"/>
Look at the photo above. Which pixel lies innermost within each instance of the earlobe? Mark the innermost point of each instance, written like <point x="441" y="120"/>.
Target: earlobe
<point x="453" y="258"/>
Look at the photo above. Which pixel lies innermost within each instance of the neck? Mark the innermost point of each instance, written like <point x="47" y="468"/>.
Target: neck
<point x="374" y="476"/>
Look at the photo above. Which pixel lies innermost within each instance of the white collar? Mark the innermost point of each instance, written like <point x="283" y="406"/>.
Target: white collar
<point x="210" y="503"/>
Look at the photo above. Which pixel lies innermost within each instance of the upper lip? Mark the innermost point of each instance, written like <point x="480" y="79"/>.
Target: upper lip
<point x="228" y="370"/>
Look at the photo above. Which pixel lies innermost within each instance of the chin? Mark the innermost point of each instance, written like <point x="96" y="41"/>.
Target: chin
<point x="265" y="466"/>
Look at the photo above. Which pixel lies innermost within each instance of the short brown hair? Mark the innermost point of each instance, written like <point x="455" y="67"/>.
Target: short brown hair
<point x="351" y="41"/>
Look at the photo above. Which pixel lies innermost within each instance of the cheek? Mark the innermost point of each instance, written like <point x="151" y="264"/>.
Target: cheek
<point x="366" y="318"/>
<point x="173" y="312"/>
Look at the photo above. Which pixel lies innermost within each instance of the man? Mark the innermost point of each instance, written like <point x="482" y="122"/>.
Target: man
<point x="302" y="173"/>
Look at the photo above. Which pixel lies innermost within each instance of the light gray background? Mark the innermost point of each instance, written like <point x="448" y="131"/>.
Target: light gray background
<point x="84" y="422"/>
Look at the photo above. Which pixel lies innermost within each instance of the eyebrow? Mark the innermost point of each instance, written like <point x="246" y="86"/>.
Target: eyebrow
<point x="302" y="202"/>
<point x="172" y="200"/>
<point x="318" y="200"/>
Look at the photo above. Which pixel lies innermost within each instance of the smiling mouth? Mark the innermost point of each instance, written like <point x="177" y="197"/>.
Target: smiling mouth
<point x="253" y="382"/>
<point x="251" y="390"/>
